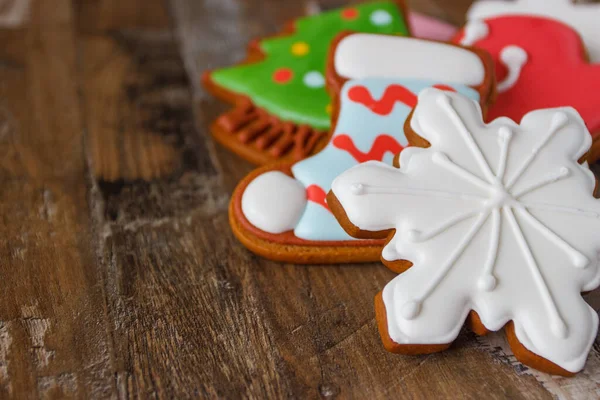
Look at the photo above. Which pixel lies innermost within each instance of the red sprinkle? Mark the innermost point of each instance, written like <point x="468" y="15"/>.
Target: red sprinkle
<point x="283" y="75"/>
<point x="350" y="13"/>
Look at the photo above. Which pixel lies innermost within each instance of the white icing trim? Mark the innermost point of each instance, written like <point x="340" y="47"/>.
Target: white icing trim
<point x="514" y="242"/>
<point x="365" y="55"/>
<point x="514" y="59"/>
<point x="274" y="202"/>
<point x="474" y="31"/>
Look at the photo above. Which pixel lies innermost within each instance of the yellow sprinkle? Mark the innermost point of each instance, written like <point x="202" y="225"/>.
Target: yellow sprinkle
<point x="300" y="48"/>
<point x="328" y="109"/>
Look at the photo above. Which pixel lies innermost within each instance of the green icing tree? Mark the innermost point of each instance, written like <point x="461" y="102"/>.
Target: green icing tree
<point x="289" y="83"/>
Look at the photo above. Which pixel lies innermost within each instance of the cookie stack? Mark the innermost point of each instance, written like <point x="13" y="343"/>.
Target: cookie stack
<point x="462" y="165"/>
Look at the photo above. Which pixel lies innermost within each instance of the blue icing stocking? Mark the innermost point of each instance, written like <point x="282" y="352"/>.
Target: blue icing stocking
<point x="370" y="127"/>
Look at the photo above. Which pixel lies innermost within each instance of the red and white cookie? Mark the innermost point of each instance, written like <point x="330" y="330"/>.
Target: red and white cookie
<point x="579" y="15"/>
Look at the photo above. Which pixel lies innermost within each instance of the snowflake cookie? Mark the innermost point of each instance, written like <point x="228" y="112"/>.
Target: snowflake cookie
<point x="496" y="222"/>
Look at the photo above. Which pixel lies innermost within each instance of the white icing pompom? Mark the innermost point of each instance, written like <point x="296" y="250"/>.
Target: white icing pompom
<point x="274" y="202"/>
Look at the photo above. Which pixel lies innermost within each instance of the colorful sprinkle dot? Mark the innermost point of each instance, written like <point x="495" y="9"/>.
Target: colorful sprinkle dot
<point x="350" y="14"/>
<point x="283" y="75"/>
<point x="314" y="79"/>
<point x="328" y="109"/>
<point x="300" y="49"/>
<point x="381" y="18"/>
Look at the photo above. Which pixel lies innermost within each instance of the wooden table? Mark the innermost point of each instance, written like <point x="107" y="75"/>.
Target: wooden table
<point x="119" y="274"/>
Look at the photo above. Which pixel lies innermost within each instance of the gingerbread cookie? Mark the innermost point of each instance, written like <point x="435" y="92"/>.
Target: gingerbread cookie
<point x="540" y="63"/>
<point x="583" y="17"/>
<point x="282" y="109"/>
<point x="496" y="222"/>
<point x="280" y="211"/>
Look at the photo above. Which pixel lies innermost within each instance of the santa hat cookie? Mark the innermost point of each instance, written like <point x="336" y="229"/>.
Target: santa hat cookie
<point x="280" y="211"/>
<point x="540" y="63"/>
<point x="495" y="221"/>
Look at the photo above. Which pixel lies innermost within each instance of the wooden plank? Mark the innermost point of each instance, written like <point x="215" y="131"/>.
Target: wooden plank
<point x="53" y="337"/>
<point x="106" y="15"/>
<point x="158" y="194"/>
<point x="14" y="13"/>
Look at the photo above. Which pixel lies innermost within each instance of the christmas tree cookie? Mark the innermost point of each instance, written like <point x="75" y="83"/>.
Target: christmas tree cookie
<point x="282" y="109"/>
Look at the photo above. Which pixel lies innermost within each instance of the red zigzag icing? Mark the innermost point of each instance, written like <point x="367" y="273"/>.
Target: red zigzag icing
<point x="382" y="145"/>
<point x="317" y="195"/>
<point x="393" y="93"/>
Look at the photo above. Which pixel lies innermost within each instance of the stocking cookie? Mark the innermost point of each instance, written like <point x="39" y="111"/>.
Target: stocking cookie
<point x="494" y="221"/>
<point x="280" y="211"/>
<point x="583" y="17"/>
<point x="540" y="63"/>
<point x="282" y="109"/>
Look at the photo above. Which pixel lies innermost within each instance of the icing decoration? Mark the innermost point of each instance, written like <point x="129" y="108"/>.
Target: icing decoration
<point x="581" y="17"/>
<point x="317" y="195"/>
<point x="283" y="75"/>
<point x="300" y="49"/>
<point x="514" y="59"/>
<point x="426" y="27"/>
<point x="384" y="106"/>
<point x="392" y="94"/>
<point x="276" y="194"/>
<point x="540" y="63"/>
<point x="358" y="137"/>
<point x="303" y="51"/>
<point x="383" y="144"/>
<point x="474" y="32"/>
<point x="498" y="218"/>
<point x="381" y="17"/>
<point x="350" y="14"/>
<point x="366" y="55"/>
<point x="314" y="79"/>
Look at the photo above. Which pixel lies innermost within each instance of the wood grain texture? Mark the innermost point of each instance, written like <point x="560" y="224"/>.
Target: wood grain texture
<point x="120" y="275"/>
<point x="54" y="339"/>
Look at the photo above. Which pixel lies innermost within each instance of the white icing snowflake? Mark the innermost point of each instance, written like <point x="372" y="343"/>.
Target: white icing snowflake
<point x="498" y="218"/>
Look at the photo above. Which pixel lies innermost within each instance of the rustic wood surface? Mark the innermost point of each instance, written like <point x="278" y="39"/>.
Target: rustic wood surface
<point x="120" y="277"/>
